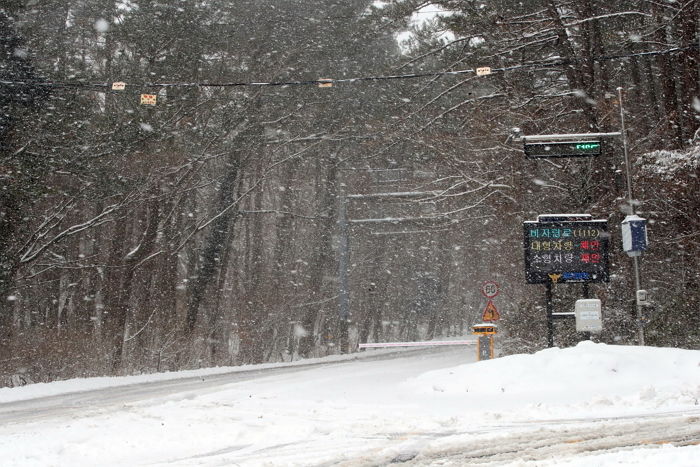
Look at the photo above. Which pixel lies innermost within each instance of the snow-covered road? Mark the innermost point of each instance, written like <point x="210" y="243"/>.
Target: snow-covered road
<point x="589" y="405"/>
<point x="80" y="402"/>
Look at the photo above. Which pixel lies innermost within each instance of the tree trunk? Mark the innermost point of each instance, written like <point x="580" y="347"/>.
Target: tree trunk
<point x="215" y="243"/>
<point x="690" y="72"/>
<point x="326" y="186"/>
<point x="119" y="309"/>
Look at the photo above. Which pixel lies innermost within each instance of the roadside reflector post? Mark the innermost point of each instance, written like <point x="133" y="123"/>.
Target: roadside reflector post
<point x="485" y="341"/>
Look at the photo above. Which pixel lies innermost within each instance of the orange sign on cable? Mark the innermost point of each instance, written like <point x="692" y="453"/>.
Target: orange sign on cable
<point x="149" y="99"/>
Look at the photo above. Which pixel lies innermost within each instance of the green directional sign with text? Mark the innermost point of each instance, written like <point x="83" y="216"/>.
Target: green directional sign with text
<point x="563" y="149"/>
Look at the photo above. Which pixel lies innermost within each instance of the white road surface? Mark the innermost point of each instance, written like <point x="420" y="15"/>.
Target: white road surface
<point x="589" y="405"/>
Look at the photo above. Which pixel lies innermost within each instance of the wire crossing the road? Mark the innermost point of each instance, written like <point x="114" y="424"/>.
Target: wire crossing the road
<point x="328" y="82"/>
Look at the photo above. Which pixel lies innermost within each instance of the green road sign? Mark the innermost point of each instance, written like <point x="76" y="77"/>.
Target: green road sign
<point x="563" y="149"/>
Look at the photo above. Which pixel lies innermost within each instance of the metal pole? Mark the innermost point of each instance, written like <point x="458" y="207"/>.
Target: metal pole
<point x="550" y="316"/>
<point x="566" y="137"/>
<point x="624" y="149"/>
<point x="586" y="294"/>
<point x="637" y="280"/>
<point x="637" y="285"/>
<point x="343" y="264"/>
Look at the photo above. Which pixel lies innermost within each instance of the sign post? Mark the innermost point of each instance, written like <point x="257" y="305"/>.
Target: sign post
<point x="565" y="248"/>
<point x="633" y="228"/>
<point x="630" y="199"/>
<point x="485" y="342"/>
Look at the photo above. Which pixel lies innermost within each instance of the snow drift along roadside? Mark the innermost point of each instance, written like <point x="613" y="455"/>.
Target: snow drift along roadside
<point x="588" y="376"/>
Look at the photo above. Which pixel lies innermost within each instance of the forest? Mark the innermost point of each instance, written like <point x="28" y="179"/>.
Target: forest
<point x="281" y="179"/>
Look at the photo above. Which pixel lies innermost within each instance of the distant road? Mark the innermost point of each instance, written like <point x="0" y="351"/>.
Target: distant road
<point x="94" y="400"/>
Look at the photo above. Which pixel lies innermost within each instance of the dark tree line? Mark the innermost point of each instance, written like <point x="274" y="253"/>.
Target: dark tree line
<point x="208" y="229"/>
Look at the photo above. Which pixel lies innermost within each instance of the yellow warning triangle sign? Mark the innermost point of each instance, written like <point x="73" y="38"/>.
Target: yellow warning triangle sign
<point x="490" y="313"/>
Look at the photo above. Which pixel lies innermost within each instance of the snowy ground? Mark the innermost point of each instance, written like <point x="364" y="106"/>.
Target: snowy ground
<point x="593" y="404"/>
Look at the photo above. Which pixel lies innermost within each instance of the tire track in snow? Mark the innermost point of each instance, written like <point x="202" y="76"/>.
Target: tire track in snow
<point x="552" y="442"/>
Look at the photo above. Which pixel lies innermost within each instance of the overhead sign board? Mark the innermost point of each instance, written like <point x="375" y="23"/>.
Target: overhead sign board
<point x="563" y="149"/>
<point x="566" y="251"/>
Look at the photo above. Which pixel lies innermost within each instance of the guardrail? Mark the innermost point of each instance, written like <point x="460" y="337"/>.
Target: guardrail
<point x="376" y="345"/>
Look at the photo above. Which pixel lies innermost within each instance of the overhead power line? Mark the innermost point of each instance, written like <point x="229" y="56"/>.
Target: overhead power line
<point x="329" y="82"/>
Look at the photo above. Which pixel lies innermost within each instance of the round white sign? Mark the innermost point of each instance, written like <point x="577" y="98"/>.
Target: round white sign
<point x="489" y="289"/>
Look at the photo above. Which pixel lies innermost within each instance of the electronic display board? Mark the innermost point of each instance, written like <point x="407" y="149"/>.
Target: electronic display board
<point x="563" y="149"/>
<point x="566" y="251"/>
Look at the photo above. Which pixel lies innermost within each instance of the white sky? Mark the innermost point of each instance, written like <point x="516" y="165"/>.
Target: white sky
<point x="420" y="18"/>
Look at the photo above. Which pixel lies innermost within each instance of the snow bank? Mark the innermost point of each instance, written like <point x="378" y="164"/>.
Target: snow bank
<point x="587" y="377"/>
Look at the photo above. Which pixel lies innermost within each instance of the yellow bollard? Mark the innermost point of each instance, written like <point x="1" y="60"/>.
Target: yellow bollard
<point x="485" y="341"/>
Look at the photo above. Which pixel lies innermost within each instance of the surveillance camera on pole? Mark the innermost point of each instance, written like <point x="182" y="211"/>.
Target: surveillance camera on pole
<point x="634" y="235"/>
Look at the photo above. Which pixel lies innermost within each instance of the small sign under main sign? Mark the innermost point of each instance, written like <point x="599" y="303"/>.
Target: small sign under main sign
<point x="588" y="315"/>
<point x="118" y="86"/>
<point x="642" y="297"/>
<point x="483" y="71"/>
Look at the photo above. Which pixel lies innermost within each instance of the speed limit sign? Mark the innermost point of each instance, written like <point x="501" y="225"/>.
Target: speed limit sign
<point x="489" y="289"/>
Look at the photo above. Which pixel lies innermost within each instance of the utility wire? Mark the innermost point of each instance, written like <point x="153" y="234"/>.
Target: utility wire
<point x="332" y="81"/>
